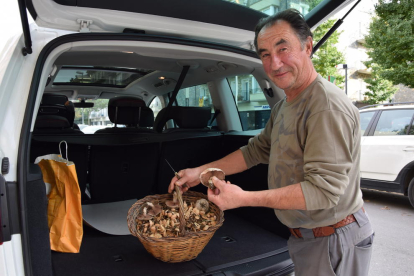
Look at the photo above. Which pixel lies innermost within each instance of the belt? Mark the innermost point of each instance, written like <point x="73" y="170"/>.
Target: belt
<point x="319" y="232"/>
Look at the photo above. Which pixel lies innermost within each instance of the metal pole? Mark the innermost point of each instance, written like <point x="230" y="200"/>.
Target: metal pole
<point x="346" y="78"/>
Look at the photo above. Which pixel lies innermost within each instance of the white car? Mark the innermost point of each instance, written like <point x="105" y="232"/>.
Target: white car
<point x="140" y="55"/>
<point x="387" y="155"/>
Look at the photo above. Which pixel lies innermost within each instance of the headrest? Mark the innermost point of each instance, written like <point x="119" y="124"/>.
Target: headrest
<point x="191" y="117"/>
<point x="129" y="110"/>
<point x="51" y="122"/>
<point x="186" y="117"/>
<point x="56" y="104"/>
<point x="53" y="99"/>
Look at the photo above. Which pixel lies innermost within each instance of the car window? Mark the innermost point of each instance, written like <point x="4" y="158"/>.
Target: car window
<point x="254" y="110"/>
<point x="89" y="120"/>
<point x="156" y="106"/>
<point x="196" y="96"/>
<point x="365" y="118"/>
<point x="394" y="122"/>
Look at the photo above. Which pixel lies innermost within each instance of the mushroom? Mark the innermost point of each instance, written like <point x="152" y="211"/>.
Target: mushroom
<point x="154" y="209"/>
<point x="149" y="210"/>
<point x="206" y="175"/>
<point x="172" y="203"/>
<point x="202" y="205"/>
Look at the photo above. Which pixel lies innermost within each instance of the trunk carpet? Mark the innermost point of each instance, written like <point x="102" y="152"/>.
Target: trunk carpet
<point x="236" y="242"/>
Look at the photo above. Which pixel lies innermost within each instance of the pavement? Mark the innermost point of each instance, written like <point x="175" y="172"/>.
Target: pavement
<point x="392" y="217"/>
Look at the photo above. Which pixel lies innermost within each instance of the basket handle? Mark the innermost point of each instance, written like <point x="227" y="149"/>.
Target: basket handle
<point x="181" y="210"/>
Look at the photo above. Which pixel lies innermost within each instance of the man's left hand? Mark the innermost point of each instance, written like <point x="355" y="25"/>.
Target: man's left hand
<point x="226" y="195"/>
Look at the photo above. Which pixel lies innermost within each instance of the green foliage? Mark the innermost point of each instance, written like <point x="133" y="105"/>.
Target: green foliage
<point x="380" y="90"/>
<point x="390" y="42"/>
<point x="328" y="56"/>
<point x="313" y="3"/>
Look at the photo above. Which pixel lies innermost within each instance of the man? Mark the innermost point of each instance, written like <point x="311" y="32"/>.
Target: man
<point x="312" y="145"/>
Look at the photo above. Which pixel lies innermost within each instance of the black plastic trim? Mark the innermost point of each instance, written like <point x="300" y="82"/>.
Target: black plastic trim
<point x="388" y="186"/>
<point x="5" y="234"/>
<point x="13" y="206"/>
<point x="26" y="30"/>
<point x="371" y="122"/>
<point x="144" y="37"/>
<point x="208" y="11"/>
<point x="323" y="10"/>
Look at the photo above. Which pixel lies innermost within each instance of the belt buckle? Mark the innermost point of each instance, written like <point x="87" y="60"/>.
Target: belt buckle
<point x="323" y="231"/>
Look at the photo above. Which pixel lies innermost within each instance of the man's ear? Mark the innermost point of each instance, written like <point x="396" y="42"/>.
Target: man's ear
<point x="309" y="46"/>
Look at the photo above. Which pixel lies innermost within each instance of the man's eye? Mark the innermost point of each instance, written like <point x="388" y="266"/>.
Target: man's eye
<point x="265" y="55"/>
<point x="283" y="49"/>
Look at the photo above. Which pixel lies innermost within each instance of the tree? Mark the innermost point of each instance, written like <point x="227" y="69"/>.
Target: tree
<point x="390" y="41"/>
<point x="313" y="3"/>
<point x="328" y="56"/>
<point x="380" y="90"/>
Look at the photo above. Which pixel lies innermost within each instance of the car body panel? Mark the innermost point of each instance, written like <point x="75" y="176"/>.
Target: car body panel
<point x="387" y="150"/>
<point x="383" y="157"/>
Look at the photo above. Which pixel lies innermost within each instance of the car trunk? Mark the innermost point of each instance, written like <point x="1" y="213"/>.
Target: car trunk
<point x="250" y="241"/>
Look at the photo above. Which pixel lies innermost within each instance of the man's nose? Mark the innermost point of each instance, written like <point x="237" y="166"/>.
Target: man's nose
<point x="276" y="62"/>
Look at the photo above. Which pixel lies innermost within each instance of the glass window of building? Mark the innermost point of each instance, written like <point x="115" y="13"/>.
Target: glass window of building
<point x="254" y="110"/>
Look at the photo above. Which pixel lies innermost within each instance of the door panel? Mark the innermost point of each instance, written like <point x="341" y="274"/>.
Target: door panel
<point x="390" y="147"/>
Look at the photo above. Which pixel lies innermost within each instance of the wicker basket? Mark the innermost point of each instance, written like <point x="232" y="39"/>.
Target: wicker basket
<point x="175" y="249"/>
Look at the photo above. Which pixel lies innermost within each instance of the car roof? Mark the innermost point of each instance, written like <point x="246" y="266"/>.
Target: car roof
<point x="387" y="106"/>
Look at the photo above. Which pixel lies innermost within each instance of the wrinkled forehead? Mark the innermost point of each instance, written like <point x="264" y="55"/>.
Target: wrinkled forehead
<point x="279" y="29"/>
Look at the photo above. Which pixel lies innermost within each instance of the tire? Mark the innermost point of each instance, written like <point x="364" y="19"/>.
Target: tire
<point x="411" y="192"/>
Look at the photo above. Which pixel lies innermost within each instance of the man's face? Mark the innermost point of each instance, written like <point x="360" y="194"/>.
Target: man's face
<point x="284" y="60"/>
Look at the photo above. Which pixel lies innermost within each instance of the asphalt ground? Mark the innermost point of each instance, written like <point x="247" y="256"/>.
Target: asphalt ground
<point x="392" y="217"/>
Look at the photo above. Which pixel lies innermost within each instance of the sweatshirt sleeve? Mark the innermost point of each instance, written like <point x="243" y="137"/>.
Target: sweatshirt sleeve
<point x="327" y="158"/>
<point x="257" y="151"/>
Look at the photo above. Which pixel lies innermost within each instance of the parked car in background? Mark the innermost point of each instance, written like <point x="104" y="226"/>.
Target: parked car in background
<point x="387" y="155"/>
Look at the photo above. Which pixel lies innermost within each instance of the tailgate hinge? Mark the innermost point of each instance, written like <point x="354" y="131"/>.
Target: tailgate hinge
<point x="84" y="25"/>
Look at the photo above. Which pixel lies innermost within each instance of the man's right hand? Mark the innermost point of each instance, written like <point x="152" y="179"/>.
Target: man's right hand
<point x="188" y="178"/>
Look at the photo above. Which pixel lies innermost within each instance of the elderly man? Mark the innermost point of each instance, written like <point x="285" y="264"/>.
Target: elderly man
<point x="312" y="145"/>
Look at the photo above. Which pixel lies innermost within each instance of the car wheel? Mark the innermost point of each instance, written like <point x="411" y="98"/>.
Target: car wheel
<point x="411" y="192"/>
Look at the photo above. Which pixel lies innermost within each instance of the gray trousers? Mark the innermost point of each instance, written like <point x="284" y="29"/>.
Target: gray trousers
<point x="347" y="252"/>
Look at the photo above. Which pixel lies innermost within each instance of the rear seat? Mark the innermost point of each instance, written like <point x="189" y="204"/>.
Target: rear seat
<point x="193" y="134"/>
<point x="125" y="171"/>
<point x="187" y="118"/>
<point x="53" y="124"/>
<point x="59" y="105"/>
<point x="129" y="111"/>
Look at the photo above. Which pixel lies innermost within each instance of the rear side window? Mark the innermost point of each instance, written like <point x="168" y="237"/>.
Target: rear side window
<point x="195" y="96"/>
<point x="394" y="122"/>
<point x="198" y="95"/>
<point x="254" y="110"/>
<point x="365" y="118"/>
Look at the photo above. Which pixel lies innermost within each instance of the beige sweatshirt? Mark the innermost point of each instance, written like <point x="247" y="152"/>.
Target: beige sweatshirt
<point x="315" y="140"/>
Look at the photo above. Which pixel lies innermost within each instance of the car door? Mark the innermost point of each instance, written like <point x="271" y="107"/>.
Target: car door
<point x="389" y="145"/>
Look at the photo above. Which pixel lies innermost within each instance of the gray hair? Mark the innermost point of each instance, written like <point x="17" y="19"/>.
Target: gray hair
<point x="291" y="16"/>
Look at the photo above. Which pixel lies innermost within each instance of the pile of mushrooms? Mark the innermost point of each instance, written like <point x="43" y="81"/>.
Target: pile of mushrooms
<point x="158" y="220"/>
